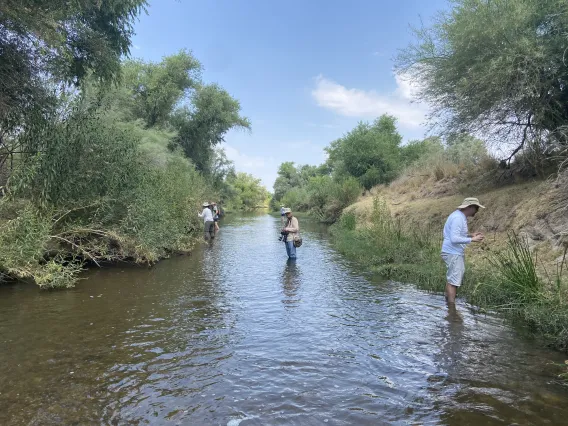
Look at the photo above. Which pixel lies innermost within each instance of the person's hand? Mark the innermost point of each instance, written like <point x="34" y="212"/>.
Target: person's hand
<point x="477" y="237"/>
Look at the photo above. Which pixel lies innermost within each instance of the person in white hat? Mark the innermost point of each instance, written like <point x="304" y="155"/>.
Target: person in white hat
<point x="208" y="224"/>
<point x="290" y="230"/>
<point x="456" y="238"/>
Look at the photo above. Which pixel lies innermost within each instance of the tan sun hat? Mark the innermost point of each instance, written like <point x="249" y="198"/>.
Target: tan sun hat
<point x="470" y="202"/>
<point x="206" y="204"/>
<point x="287" y="210"/>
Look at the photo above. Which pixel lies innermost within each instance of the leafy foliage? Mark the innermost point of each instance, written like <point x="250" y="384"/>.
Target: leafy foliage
<point x="370" y="152"/>
<point x="151" y="91"/>
<point x="248" y="192"/>
<point x="496" y="67"/>
<point x="58" y="40"/>
<point x="104" y="172"/>
<point x="203" y="126"/>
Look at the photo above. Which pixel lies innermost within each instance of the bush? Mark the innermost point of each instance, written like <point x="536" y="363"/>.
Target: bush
<point x="94" y="193"/>
<point x="328" y="197"/>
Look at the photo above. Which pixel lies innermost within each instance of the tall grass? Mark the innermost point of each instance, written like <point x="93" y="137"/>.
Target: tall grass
<point x="516" y="269"/>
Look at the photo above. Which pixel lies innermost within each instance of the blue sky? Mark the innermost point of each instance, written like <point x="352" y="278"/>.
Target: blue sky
<point x="305" y="72"/>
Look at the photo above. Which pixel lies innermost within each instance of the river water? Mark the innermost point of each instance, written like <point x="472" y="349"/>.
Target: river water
<point x="234" y="334"/>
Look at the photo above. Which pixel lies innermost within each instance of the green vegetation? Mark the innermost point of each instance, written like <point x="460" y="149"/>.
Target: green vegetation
<point x="313" y="189"/>
<point x="498" y="68"/>
<point x="371" y="154"/>
<point x="100" y="159"/>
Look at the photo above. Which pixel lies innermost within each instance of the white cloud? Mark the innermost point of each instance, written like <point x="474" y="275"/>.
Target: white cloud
<point x="371" y="104"/>
<point x="260" y="167"/>
<point x="135" y="46"/>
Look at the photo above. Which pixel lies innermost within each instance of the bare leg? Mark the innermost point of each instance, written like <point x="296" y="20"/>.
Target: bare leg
<point x="450" y="293"/>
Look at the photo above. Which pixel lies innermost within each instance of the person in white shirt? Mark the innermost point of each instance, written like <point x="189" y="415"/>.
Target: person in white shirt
<point x="456" y="238"/>
<point x="208" y="224"/>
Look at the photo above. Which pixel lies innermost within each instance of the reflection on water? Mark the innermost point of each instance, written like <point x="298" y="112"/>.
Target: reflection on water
<point x="235" y="334"/>
<point x="291" y="283"/>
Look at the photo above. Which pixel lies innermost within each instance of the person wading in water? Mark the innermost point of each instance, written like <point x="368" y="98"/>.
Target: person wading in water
<point x="216" y="216"/>
<point x="456" y="238"/>
<point x="208" y="224"/>
<point x="290" y="230"/>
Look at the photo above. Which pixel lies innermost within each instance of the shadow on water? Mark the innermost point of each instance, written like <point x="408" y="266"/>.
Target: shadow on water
<point x="236" y="334"/>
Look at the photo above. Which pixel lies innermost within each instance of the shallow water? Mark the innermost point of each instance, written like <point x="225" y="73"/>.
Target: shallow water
<point x="235" y="334"/>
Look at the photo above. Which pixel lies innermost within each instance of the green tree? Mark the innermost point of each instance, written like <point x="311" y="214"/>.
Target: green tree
<point x="61" y="39"/>
<point x="248" y="190"/>
<point x="416" y="150"/>
<point x="288" y="178"/>
<point x="203" y="125"/>
<point x="497" y="67"/>
<point x="370" y="152"/>
<point x="153" y="90"/>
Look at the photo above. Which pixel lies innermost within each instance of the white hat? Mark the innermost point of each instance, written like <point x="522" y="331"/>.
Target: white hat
<point x="205" y="204"/>
<point x="287" y="210"/>
<point x="470" y="202"/>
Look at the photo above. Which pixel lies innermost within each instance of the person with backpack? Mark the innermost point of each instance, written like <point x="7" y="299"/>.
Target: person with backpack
<point x="291" y="233"/>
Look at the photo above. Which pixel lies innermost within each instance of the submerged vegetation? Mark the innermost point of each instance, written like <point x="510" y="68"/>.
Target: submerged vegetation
<point x="103" y="158"/>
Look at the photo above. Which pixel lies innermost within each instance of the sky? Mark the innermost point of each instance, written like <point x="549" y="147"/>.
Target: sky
<point x="305" y="72"/>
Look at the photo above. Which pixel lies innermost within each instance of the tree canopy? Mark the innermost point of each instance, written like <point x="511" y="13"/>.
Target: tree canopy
<point x="369" y="152"/>
<point x="62" y="40"/>
<point x="497" y="68"/>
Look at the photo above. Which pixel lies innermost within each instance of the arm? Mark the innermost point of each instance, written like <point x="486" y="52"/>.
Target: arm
<point x="456" y="234"/>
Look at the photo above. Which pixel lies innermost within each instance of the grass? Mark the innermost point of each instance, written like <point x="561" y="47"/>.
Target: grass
<point x="509" y="279"/>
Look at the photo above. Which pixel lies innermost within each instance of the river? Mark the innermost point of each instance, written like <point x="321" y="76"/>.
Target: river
<point x="234" y="334"/>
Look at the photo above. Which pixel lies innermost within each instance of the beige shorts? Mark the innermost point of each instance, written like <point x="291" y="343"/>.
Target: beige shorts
<point x="456" y="268"/>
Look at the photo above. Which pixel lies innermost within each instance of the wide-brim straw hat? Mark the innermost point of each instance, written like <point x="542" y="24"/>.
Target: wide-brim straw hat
<point x="470" y="202"/>
<point x="205" y="204"/>
<point x="287" y="210"/>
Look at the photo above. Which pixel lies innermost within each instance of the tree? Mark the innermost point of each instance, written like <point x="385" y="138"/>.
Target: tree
<point x="249" y="192"/>
<point x="288" y="178"/>
<point x="416" y="150"/>
<point x="496" y="67"/>
<point x="369" y="152"/>
<point x="47" y="45"/>
<point x="204" y="124"/>
<point x="61" y="39"/>
<point x="153" y="90"/>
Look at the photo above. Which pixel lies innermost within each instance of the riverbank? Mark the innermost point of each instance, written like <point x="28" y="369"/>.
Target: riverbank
<point x="519" y="270"/>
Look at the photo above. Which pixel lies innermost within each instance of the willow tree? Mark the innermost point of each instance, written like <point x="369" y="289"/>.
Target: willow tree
<point x="49" y="44"/>
<point x="496" y="67"/>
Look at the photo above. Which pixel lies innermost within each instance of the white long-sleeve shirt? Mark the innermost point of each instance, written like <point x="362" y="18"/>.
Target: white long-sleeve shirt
<point x="455" y="234"/>
<point x="206" y="214"/>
